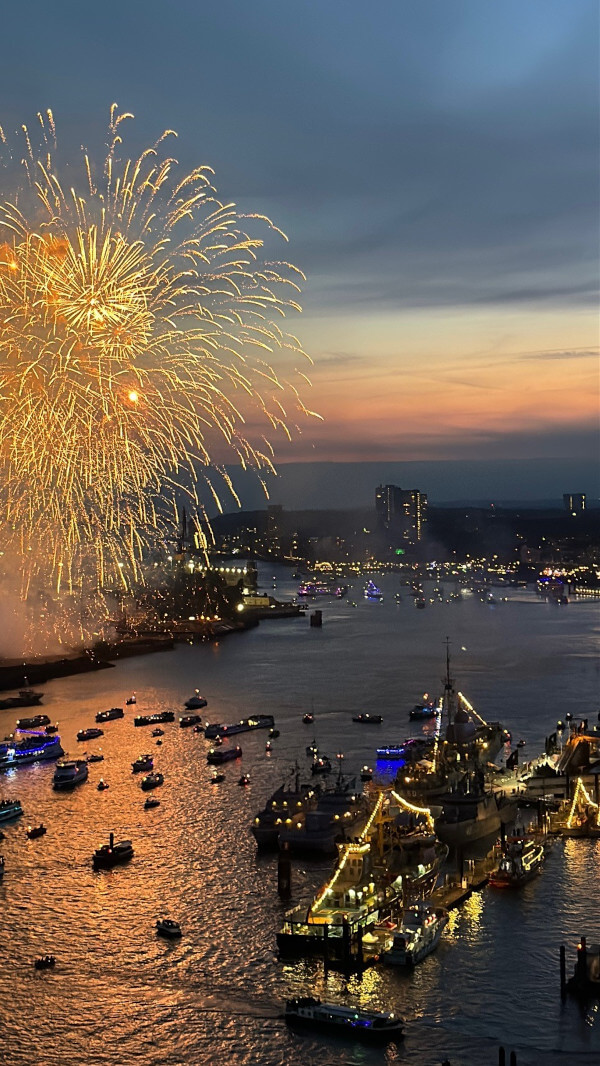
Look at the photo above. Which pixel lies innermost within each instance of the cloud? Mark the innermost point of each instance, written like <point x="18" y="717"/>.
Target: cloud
<point x="576" y="353"/>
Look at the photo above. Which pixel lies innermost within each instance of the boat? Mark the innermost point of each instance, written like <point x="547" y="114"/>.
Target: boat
<point x="168" y="928"/>
<point x="422" y="712"/>
<point x="102" y="785"/>
<point x="157" y="732"/>
<point x="154" y="719"/>
<point x="216" y="757"/>
<point x="312" y="750"/>
<point x="217" y="777"/>
<point x="308" y="718"/>
<point x="90" y="734"/>
<point x="471" y="815"/>
<point x="153" y="780"/>
<point x="112" y="854"/>
<point x="195" y="702"/>
<point x="51" y="728"/>
<point x="131" y="700"/>
<point x="420" y="602"/>
<point x="36" y="831"/>
<point x="142" y="763"/>
<point x="418" y="935"/>
<point x="27" y="697"/>
<point x="246" y="725"/>
<point x="111" y="715"/>
<point x="325" y="820"/>
<point x="45" y="962"/>
<point x="522" y="860"/>
<point x="321" y="764"/>
<point x="69" y="773"/>
<point x="366" y="773"/>
<point x="27" y="749"/>
<point x="150" y="802"/>
<point x="95" y="757"/>
<point x="354" y="1022"/>
<point x="244" y="780"/>
<point x="393" y="857"/>
<point x="38" y="720"/>
<point x="368" y="719"/>
<point x="10" y="809"/>
<point x="412" y="749"/>
<point x="273" y="734"/>
<point x="191" y="719"/>
<point x="372" y="592"/>
<point x="2" y="867"/>
<point x="284" y="809"/>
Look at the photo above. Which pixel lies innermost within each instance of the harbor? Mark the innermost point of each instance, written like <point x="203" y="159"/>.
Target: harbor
<point x="195" y="860"/>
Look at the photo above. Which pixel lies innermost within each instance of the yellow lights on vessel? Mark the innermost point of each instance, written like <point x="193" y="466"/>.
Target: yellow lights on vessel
<point x="240" y="607"/>
<point x="580" y="790"/>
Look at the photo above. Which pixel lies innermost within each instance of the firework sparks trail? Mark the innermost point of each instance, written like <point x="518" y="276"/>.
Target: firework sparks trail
<point x="138" y="328"/>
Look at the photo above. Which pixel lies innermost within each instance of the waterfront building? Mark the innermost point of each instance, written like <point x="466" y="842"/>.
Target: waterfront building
<point x="403" y="513"/>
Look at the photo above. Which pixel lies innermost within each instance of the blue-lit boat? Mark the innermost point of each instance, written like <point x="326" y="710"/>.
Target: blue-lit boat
<point x="372" y="592"/>
<point x="10" y="809"/>
<point x="370" y="1025"/>
<point x="34" y="748"/>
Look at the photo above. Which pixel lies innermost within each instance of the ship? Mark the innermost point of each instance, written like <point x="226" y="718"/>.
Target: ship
<point x="111" y="715"/>
<point x="285" y="809"/>
<point x="246" y="725"/>
<point x="27" y="749"/>
<point x="366" y="1025"/>
<point x="112" y="854"/>
<point x="318" y="830"/>
<point x="153" y="719"/>
<point x="27" y="697"/>
<point x="9" y="809"/>
<point x="522" y="860"/>
<point x="394" y="857"/>
<point x="24" y="725"/>
<point x="417" y="936"/>
<point x="69" y="773"/>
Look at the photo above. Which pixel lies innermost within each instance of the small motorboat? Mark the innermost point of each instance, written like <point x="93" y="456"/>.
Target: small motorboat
<point x="312" y="750"/>
<point x="45" y="962"/>
<point x="273" y="733"/>
<point x="90" y="734"/>
<point x="217" y="777"/>
<point x="158" y="743"/>
<point x="308" y="718"/>
<point x="130" y="702"/>
<point x="97" y="757"/>
<point x="152" y="781"/>
<point x="51" y="728"/>
<point x="218" y="741"/>
<point x="368" y="719"/>
<point x="151" y="802"/>
<point x="158" y="732"/>
<point x="197" y="729"/>
<point x="268" y="746"/>
<point x="36" y="831"/>
<point x="321" y="765"/>
<point x="102" y="785"/>
<point x="195" y="702"/>
<point x="366" y="774"/>
<point x="521" y="743"/>
<point x="244" y="780"/>
<point x="166" y="927"/>
<point x="142" y="763"/>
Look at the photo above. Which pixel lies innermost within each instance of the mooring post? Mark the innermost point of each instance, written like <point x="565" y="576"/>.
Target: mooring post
<point x="346" y="946"/>
<point x="284" y="873"/>
<point x="501" y="1057"/>
<point x="513" y="1058"/>
<point x="359" y="951"/>
<point x="582" y="961"/>
<point x="563" y="972"/>
<point x="326" y="947"/>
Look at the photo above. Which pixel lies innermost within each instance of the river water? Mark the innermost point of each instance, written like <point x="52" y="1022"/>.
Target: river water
<point x="121" y="995"/>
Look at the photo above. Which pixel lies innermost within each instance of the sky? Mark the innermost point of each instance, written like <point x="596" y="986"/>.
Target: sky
<point x="435" y="166"/>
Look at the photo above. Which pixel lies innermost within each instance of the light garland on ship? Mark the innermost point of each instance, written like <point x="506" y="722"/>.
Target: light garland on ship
<point x="587" y="799"/>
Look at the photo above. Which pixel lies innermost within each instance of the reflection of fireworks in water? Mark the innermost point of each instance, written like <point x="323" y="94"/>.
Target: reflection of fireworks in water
<point x="136" y="334"/>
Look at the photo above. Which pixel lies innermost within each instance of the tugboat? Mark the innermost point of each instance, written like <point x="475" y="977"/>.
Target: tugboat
<point x="110" y="716"/>
<point x="34" y="832"/>
<point x="521" y="862"/>
<point x="195" y="702"/>
<point x="369" y="1025"/>
<point x="168" y="928"/>
<point x="45" y="962"/>
<point x="153" y="780"/>
<point x="142" y="763"/>
<point x="418" y="935"/>
<point x="368" y="719"/>
<point x="111" y="854"/>
<point x="90" y="734"/>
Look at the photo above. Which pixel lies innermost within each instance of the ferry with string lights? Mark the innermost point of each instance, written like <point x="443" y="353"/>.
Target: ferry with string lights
<point x="18" y="751"/>
<point x="392" y="861"/>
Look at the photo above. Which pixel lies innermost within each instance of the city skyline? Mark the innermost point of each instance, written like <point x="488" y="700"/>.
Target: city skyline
<point x="435" y="171"/>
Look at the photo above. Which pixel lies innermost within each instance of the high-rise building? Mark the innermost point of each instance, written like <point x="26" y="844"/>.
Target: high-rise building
<point x="403" y="512"/>
<point x="274" y="519"/>
<point x="574" y="502"/>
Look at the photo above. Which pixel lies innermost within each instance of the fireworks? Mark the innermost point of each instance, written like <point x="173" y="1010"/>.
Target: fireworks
<point x="138" y="328"/>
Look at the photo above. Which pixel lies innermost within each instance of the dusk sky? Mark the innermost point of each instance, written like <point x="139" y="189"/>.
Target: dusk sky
<point x="435" y="166"/>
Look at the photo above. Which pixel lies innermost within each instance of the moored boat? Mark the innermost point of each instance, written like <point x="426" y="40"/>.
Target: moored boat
<point x="418" y="935"/>
<point x="369" y="1025"/>
<point x="285" y="808"/>
<point x="521" y="862"/>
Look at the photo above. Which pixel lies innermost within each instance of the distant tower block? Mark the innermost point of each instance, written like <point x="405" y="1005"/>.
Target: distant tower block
<point x="574" y="502"/>
<point x="402" y="511"/>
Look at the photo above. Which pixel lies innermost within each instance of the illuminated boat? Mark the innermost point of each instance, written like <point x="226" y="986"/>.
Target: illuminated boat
<point x="246" y="725"/>
<point x="217" y="756"/>
<point x="90" y="734"/>
<point x="418" y="935"/>
<point x="422" y="712"/>
<point x="195" y="702"/>
<point x="131" y="700"/>
<point x="191" y="719"/>
<point x="372" y="592"/>
<point x="111" y="715"/>
<point x="353" y="1022"/>
<point x="10" y="809"/>
<point x="168" y="928"/>
<point x="45" y="962"/>
<point x="284" y="809"/>
<point x="112" y="854"/>
<point x="321" y="764"/>
<point x="38" y="720"/>
<point x="35" y="748"/>
<point x="36" y="831"/>
<point x="154" y="719"/>
<point x="69" y="773"/>
<point x="368" y="719"/>
<point x="522" y="861"/>
<point x="152" y="780"/>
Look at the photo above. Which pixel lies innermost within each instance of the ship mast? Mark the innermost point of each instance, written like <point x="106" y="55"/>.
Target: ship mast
<point x="448" y="686"/>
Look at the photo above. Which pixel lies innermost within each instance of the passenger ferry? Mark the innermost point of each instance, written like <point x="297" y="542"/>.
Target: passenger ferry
<point x="34" y="748"/>
<point x="69" y="773"/>
<point x="10" y="809"/>
<point x="371" y="1025"/>
<point x="418" y="935"/>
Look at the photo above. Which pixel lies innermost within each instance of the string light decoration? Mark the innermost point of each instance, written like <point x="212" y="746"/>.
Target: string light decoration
<point x="580" y="789"/>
